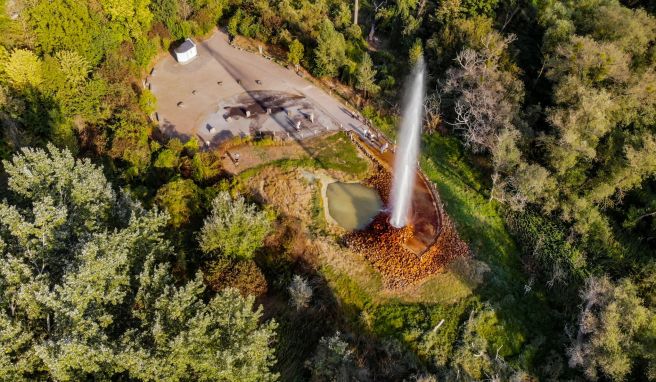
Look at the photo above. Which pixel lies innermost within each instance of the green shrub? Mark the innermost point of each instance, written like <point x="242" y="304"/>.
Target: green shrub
<point x="176" y="145"/>
<point x="167" y="159"/>
<point x="147" y="102"/>
<point x="181" y="198"/>
<point x="333" y="360"/>
<point x="192" y="146"/>
<point x="234" y="228"/>
<point x="234" y="23"/>
<point x="144" y="51"/>
<point x="63" y="135"/>
<point x="130" y="144"/>
<point x="205" y="167"/>
<point x="545" y="240"/>
<point x="386" y="123"/>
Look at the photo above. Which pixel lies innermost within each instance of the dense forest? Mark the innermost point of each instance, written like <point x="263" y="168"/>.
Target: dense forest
<point x="128" y="255"/>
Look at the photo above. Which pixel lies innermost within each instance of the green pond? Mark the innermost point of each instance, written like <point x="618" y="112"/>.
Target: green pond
<point x="352" y="205"/>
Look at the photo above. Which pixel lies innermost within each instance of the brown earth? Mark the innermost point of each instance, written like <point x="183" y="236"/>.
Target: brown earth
<point x="252" y="156"/>
<point x="286" y="190"/>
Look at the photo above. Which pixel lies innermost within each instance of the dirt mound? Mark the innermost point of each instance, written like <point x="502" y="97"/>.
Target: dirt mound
<point x="284" y="189"/>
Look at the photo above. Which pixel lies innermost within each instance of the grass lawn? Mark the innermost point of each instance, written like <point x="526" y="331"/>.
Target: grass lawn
<point x="337" y="152"/>
<point x="525" y="315"/>
<point x="521" y="321"/>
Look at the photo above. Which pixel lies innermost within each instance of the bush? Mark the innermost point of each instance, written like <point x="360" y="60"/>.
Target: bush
<point x="386" y="123"/>
<point x="147" y="102"/>
<point x="192" y="146"/>
<point x="205" y="167"/>
<point x="546" y="242"/>
<point x="333" y="360"/>
<point x="244" y="275"/>
<point x="206" y="19"/>
<point x="144" y="51"/>
<point x="300" y="292"/>
<point x="181" y="198"/>
<point x="130" y="143"/>
<point x="234" y="23"/>
<point x="63" y="134"/>
<point x="166" y="159"/>
<point x="234" y="227"/>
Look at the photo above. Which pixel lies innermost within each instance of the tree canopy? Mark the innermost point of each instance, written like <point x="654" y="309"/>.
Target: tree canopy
<point x="234" y="227"/>
<point x="84" y="292"/>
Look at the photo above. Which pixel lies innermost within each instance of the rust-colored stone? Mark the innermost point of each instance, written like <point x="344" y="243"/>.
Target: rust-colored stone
<point x="385" y="247"/>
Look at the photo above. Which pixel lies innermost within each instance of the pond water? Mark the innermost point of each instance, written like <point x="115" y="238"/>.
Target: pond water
<point x="352" y="205"/>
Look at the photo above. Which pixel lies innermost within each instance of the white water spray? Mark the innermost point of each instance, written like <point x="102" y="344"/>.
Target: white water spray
<point x="407" y="150"/>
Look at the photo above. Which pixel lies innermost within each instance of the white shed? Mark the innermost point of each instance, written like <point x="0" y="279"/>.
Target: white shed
<point x="186" y="51"/>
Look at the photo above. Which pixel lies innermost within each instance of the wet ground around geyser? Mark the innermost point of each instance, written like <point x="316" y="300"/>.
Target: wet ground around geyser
<point x="385" y="246"/>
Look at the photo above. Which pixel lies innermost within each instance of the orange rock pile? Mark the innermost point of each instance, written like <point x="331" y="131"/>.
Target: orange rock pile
<point x="383" y="245"/>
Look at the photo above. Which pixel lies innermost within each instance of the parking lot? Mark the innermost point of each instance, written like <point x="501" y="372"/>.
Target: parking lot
<point x="227" y="92"/>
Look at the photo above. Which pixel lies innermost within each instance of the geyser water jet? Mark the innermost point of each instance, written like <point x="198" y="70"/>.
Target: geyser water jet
<point x="407" y="149"/>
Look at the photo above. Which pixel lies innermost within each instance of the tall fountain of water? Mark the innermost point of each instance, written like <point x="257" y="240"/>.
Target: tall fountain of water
<point x="405" y="160"/>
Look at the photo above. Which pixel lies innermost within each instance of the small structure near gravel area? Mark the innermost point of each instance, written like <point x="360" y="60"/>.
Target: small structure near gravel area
<point x="186" y="51"/>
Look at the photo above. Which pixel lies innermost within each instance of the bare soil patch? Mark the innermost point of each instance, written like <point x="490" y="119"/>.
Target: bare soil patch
<point x="286" y="190"/>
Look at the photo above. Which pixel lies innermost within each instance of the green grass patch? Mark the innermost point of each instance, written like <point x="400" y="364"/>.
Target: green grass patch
<point x="334" y="152"/>
<point x="477" y="219"/>
<point x="337" y="152"/>
<point x="319" y="223"/>
<point x="354" y="296"/>
<point x="522" y="317"/>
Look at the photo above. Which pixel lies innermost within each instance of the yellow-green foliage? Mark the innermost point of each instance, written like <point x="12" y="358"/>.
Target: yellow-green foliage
<point x="24" y="68"/>
<point x="205" y="166"/>
<point x="616" y="330"/>
<point x="167" y="159"/>
<point x="147" y="102"/>
<point x="181" y="198"/>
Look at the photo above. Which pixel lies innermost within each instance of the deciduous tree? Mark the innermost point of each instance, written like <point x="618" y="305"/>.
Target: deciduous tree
<point x="486" y="99"/>
<point x="84" y="293"/>
<point x="615" y="330"/>
<point x="234" y="227"/>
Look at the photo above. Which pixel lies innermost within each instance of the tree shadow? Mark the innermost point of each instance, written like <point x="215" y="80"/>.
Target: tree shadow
<point x="299" y="332"/>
